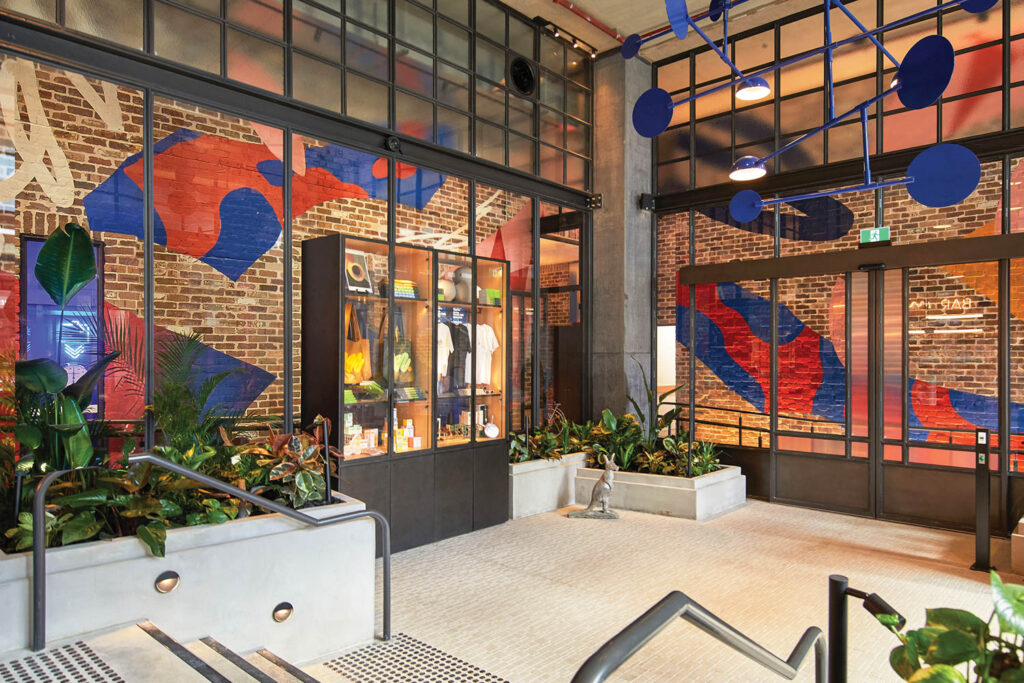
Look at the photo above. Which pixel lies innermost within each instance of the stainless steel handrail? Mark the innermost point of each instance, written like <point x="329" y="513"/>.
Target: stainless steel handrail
<point x="627" y="642"/>
<point x="39" y="534"/>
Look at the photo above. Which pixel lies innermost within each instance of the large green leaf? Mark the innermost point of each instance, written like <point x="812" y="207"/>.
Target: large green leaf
<point x="904" y="660"/>
<point x="76" y="442"/>
<point x="84" y="499"/>
<point x="1008" y="600"/>
<point x="28" y="436"/>
<point x="153" y="535"/>
<point x="952" y="647"/>
<point x="81" y="390"/>
<point x="940" y="673"/>
<point x="41" y="375"/>
<point x="82" y="526"/>
<point x="957" y="620"/>
<point x="66" y="263"/>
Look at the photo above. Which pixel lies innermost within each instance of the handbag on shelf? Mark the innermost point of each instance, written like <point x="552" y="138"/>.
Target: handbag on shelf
<point x="357" y="350"/>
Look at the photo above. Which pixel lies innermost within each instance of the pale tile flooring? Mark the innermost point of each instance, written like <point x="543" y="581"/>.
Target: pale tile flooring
<point x="530" y="600"/>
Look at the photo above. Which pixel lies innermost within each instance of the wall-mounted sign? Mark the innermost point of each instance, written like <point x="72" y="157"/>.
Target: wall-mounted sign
<point x="875" y="237"/>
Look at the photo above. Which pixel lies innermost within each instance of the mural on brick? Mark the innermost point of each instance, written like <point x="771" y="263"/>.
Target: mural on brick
<point x="733" y="335"/>
<point x="214" y="200"/>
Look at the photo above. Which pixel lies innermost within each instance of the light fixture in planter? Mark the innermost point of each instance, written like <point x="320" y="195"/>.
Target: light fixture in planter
<point x="748" y="168"/>
<point x="283" y="612"/>
<point x="167" y="581"/>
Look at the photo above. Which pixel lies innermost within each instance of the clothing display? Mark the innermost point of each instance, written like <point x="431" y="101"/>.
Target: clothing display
<point x="486" y="345"/>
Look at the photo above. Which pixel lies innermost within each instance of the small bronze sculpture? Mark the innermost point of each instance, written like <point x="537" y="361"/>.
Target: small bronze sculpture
<point x="601" y="494"/>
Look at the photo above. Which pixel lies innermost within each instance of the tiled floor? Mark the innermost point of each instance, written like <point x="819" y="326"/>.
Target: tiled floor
<point x="530" y="600"/>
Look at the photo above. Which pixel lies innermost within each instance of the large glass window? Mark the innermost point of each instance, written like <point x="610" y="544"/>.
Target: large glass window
<point x="342" y="58"/>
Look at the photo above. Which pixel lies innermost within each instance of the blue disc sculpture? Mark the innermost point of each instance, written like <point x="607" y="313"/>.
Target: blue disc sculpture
<point x="941" y="175"/>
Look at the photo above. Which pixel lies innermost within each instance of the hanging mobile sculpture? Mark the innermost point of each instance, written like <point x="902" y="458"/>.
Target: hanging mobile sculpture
<point x="941" y="175"/>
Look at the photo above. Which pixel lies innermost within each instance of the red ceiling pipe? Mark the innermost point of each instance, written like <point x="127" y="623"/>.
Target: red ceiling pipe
<point x="571" y="6"/>
<point x="695" y="17"/>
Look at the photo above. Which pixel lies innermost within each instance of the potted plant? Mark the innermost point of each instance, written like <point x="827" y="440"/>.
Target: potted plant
<point x="955" y="646"/>
<point x="543" y="464"/>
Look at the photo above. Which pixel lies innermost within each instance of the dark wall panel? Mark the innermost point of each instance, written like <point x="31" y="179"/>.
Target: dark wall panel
<point x="943" y="498"/>
<point x="756" y="468"/>
<point x="490" y="491"/>
<point x="453" y="492"/>
<point x="412" y="502"/>
<point x="824" y="482"/>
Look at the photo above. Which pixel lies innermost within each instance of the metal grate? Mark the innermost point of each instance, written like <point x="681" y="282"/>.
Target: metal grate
<point x="403" y="659"/>
<point x="75" y="662"/>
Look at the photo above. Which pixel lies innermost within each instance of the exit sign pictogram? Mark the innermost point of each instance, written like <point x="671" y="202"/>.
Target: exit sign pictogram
<point x="873" y="235"/>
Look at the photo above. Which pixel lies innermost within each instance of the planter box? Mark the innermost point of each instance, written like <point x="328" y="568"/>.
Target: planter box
<point x="699" y="498"/>
<point x="232" y="576"/>
<point x="538" y="486"/>
<point x="1017" y="549"/>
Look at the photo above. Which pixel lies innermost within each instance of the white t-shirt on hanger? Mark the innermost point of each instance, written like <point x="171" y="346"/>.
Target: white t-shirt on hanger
<point x="444" y="348"/>
<point x="486" y="345"/>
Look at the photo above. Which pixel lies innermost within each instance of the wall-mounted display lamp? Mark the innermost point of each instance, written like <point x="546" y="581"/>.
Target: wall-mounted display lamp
<point x="940" y="176"/>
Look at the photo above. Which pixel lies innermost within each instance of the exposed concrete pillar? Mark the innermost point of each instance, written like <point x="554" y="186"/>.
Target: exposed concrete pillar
<point x="623" y="307"/>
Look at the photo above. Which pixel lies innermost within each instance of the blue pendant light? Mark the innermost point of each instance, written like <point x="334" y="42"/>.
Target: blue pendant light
<point x="748" y="168"/>
<point x="751" y="89"/>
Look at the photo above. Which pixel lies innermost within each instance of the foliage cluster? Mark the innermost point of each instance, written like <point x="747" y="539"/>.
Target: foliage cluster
<point x="987" y="652"/>
<point x="43" y="428"/>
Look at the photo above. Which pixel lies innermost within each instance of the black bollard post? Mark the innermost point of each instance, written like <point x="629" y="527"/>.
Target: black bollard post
<point x="837" y="628"/>
<point x="982" y="496"/>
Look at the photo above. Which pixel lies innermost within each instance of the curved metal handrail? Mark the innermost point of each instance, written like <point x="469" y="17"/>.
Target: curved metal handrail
<point x="39" y="534"/>
<point x="627" y="642"/>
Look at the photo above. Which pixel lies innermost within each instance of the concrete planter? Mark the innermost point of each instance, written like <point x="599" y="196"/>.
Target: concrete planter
<point x="232" y="577"/>
<point x="538" y="486"/>
<point x="699" y="498"/>
<point x="1017" y="549"/>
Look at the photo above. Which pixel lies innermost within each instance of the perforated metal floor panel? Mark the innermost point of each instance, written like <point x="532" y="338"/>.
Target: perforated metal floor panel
<point x="403" y="659"/>
<point x="75" y="662"/>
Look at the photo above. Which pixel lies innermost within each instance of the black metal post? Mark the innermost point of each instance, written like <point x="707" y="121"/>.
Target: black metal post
<point x="18" y="481"/>
<point x="837" y="628"/>
<point x="982" y="497"/>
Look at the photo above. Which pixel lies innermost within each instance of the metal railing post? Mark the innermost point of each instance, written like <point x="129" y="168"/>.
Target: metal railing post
<point x="38" y="615"/>
<point x="837" y="628"/>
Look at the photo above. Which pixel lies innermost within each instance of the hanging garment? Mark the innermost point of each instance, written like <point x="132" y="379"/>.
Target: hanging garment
<point x="486" y="345"/>
<point x="457" y="361"/>
<point x="444" y="348"/>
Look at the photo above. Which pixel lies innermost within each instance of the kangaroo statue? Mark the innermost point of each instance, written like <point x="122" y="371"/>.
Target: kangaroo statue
<point x="601" y="494"/>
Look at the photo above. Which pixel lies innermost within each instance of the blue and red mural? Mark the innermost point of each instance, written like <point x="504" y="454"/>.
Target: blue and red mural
<point x="221" y="201"/>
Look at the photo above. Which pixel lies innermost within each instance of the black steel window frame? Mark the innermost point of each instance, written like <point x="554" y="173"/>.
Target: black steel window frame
<point x="394" y="43"/>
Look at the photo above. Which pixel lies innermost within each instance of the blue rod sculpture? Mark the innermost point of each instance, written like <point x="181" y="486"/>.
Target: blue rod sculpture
<point x="942" y="175"/>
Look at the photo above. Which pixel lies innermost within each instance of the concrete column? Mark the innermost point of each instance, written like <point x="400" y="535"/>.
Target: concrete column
<point x="623" y="307"/>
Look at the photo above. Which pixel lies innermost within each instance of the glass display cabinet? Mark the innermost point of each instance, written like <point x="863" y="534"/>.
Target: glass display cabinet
<point x="404" y="349"/>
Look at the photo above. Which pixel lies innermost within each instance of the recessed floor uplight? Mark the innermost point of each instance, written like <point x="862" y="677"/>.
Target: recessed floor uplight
<point x="751" y="89"/>
<point x="748" y="168"/>
<point x="283" y="612"/>
<point x="166" y="582"/>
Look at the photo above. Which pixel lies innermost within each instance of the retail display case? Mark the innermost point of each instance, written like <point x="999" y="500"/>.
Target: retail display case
<point x="403" y="347"/>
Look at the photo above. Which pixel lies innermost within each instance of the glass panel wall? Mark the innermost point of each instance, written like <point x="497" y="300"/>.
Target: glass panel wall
<point x="341" y="60"/>
<point x="218" y="260"/>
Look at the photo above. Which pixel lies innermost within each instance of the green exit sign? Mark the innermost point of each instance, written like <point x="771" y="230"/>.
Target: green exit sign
<point x="874" y="235"/>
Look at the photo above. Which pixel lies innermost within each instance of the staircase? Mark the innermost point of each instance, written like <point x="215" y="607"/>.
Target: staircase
<point x="143" y="652"/>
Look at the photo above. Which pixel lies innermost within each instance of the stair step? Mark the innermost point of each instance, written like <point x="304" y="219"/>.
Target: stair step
<point x="279" y="669"/>
<point x="226" y="662"/>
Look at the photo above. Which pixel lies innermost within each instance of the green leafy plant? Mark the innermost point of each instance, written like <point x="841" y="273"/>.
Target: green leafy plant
<point x="953" y="638"/>
<point x="658" y="416"/>
<point x="181" y="400"/>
